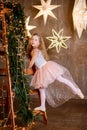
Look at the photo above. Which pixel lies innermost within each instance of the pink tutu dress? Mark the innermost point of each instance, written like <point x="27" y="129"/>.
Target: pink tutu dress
<point x="57" y="81"/>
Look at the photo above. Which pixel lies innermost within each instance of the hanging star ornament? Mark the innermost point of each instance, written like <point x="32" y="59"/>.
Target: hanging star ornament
<point x="28" y="27"/>
<point x="80" y="16"/>
<point x="58" y="40"/>
<point x="45" y="10"/>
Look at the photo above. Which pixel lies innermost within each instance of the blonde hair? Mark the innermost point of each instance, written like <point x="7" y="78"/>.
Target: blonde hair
<point x="41" y="46"/>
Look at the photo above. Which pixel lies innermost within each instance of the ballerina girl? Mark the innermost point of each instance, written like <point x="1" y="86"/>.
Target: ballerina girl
<point x="48" y="72"/>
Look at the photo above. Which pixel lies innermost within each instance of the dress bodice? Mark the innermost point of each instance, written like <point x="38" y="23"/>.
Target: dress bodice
<point x="40" y="61"/>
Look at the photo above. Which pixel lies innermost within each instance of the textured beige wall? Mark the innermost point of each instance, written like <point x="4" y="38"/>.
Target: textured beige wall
<point x="75" y="57"/>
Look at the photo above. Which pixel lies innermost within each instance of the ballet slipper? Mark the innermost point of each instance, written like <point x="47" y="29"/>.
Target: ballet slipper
<point x="80" y="94"/>
<point x="39" y="108"/>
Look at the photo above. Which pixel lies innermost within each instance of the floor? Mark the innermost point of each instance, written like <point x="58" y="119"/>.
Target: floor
<point x="70" y="116"/>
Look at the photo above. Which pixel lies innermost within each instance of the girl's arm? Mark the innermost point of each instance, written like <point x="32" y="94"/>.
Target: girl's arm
<point x="34" y="55"/>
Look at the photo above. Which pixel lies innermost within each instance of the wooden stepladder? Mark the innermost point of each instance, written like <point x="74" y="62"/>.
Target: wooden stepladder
<point x="4" y="69"/>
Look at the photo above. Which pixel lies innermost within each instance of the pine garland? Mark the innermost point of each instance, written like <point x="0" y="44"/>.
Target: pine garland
<point x="16" y="50"/>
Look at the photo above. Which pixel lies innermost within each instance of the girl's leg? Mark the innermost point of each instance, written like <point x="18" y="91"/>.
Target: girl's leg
<point x="76" y="90"/>
<point x="42" y="107"/>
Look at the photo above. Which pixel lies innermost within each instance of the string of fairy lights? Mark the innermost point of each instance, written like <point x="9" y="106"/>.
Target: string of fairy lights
<point x="18" y="78"/>
<point x="20" y="50"/>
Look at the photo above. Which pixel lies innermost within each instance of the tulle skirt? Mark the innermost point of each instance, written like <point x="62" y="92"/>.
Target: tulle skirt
<point x="57" y="81"/>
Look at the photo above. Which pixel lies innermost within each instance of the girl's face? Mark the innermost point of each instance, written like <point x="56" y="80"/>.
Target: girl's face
<point x="35" y="41"/>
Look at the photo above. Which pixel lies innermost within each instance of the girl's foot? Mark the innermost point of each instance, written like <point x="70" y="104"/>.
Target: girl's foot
<point x="40" y="108"/>
<point x="80" y="94"/>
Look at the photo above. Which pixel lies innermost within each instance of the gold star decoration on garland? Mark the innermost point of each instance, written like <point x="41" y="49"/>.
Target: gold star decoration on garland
<point x="45" y="10"/>
<point x="28" y="27"/>
<point x="58" y="40"/>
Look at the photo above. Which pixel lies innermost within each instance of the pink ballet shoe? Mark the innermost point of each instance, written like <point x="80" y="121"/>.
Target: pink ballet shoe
<point x="40" y="108"/>
<point x="80" y="94"/>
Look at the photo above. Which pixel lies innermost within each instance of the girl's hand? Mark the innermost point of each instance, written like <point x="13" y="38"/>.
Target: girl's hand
<point x="28" y="71"/>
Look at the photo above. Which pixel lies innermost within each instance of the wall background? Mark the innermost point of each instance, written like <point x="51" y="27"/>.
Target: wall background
<point x="75" y="57"/>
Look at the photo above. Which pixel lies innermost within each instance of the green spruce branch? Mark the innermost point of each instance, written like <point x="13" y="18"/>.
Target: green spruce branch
<point x="16" y="50"/>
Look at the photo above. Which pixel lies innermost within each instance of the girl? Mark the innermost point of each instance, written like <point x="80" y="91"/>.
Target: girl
<point x="47" y="72"/>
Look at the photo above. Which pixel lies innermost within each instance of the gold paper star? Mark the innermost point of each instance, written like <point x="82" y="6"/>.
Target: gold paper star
<point x="28" y="27"/>
<point x="45" y="10"/>
<point x="58" y="40"/>
<point x="80" y="16"/>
